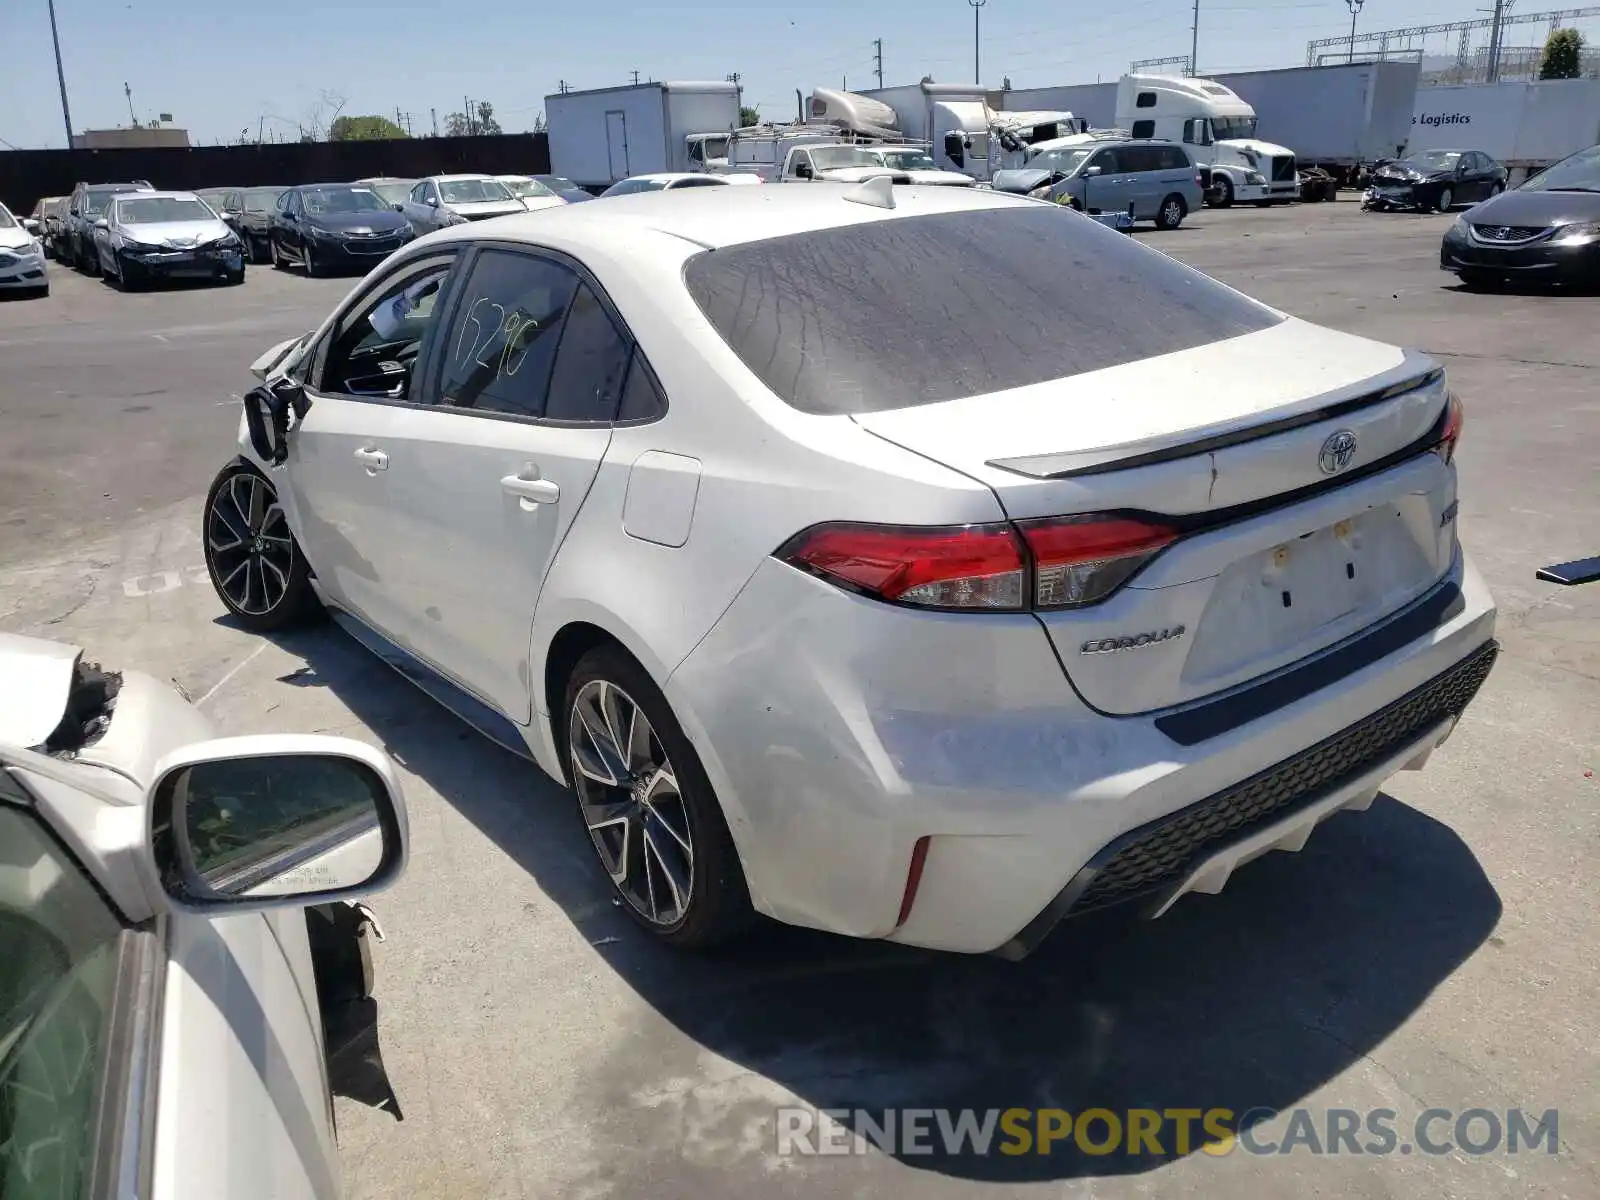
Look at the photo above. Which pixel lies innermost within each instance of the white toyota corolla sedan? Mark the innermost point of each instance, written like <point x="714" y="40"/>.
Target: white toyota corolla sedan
<point x="926" y="564"/>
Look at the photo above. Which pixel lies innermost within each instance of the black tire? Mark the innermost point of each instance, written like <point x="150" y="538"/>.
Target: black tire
<point x="1445" y="200"/>
<point x="718" y="907"/>
<point x="275" y="592"/>
<point x="1495" y="190"/>
<point x="124" y="282"/>
<point x="234" y="278"/>
<point x="258" y="255"/>
<point x="1172" y="212"/>
<point x="1221" y="192"/>
<point x="273" y="256"/>
<point x="308" y="258"/>
<point x="91" y="262"/>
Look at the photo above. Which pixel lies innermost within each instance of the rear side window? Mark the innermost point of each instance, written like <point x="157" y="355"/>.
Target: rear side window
<point x="1144" y="129"/>
<point x="915" y="310"/>
<point x="1145" y="100"/>
<point x="591" y="362"/>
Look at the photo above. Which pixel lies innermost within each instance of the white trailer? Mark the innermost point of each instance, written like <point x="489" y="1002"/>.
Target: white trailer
<point x="1337" y="117"/>
<point x="1094" y="102"/>
<point x="605" y="134"/>
<point x="1527" y="126"/>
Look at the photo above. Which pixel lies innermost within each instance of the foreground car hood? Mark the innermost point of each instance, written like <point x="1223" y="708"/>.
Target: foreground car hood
<point x="941" y="178"/>
<point x="858" y="174"/>
<point x="181" y="234"/>
<point x="14" y="239"/>
<point x="1537" y="208"/>
<point x="535" y="203"/>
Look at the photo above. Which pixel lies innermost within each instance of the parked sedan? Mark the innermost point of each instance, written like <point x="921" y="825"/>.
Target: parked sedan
<point x="249" y="213"/>
<point x="565" y="188"/>
<point x="668" y="181"/>
<point x="152" y="237"/>
<point x="1546" y="229"/>
<point x="52" y="215"/>
<point x="856" y="560"/>
<point x="186" y="973"/>
<point x="22" y="265"/>
<point x="326" y="227"/>
<point x="441" y="201"/>
<point x="533" y="194"/>
<point x="1435" y="181"/>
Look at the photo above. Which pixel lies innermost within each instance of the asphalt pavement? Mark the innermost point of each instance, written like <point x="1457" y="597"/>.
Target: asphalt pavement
<point x="1437" y="952"/>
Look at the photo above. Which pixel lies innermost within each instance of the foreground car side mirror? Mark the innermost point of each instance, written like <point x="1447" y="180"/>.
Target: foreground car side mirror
<point x="398" y="207"/>
<point x="101" y="223"/>
<point x="1091" y="172"/>
<point x="275" y="821"/>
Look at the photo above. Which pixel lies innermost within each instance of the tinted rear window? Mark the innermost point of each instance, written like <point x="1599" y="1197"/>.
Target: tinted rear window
<point x="915" y="310"/>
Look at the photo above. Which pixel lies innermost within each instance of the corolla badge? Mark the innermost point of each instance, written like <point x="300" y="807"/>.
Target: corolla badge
<point x="1337" y="453"/>
<point x="1116" y="645"/>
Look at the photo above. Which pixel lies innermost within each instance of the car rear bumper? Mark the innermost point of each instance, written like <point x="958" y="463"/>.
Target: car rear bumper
<point x="861" y="730"/>
<point x="1543" y="259"/>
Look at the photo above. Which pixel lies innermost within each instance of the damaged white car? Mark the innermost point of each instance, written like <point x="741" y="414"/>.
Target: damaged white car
<point x="187" y="979"/>
<point x="918" y="563"/>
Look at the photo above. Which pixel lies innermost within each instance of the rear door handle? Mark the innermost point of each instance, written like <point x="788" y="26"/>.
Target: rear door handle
<point x="539" y="491"/>
<point x="373" y="460"/>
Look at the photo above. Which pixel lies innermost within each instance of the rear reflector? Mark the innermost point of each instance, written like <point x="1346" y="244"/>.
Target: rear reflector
<point x="959" y="567"/>
<point x="919" y="859"/>
<point x="1081" y="560"/>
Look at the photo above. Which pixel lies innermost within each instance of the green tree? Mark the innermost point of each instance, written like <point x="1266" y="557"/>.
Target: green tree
<point x="749" y="116"/>
<point x="363" y="129"/>
<point x="1563" y="55"/>
<point x="481" y="123"/>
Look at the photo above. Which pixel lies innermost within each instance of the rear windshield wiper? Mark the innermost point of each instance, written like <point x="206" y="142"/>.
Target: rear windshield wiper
<point x="1571" y="189"/>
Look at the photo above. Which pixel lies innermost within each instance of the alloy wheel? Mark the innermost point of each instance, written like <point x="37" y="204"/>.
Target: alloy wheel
<point x="628" y="790"/>
<point x="249" y="543"/>
<point x="1447" y="200"/>
<point x="1172" y="212"/>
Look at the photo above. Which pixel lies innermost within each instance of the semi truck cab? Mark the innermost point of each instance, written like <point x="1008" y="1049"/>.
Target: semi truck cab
<point x="1218" y="127"/>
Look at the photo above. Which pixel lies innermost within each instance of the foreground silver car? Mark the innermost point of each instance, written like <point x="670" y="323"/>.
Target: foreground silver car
<point x="172" y="1014"/>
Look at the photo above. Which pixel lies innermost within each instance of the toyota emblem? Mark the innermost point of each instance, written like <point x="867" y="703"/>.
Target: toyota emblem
<point x="1338" y="452"/>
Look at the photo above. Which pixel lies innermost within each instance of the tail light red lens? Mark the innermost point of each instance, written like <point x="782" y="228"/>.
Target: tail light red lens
<point x="1081" y="560"/>
<point x="1454" y="417"/>
<point x="964" y="566"/>
<point x="1060" y="562"/>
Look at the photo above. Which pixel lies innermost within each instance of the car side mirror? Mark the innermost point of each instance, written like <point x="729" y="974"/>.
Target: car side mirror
<point x="30" y="224"/>
<point x="102" y="223"/>
<point x="1091" y="172"/>
<point x="398" y="207"/>
<point x="275" y="821"/>
<point x="432" y="202"/>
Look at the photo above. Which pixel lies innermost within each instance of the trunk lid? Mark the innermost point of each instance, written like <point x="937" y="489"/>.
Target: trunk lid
<point x="1232" y="441"/>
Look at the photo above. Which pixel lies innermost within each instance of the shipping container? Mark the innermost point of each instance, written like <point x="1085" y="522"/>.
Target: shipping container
<point x="600" y="136"/>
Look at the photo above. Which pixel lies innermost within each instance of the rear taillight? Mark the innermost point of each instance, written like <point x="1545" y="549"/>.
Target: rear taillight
<point x="1082" y="560"/>
<point x="1450" y="433"/>
<point x="1059" y="562"/>
<point x="963" y="566"/>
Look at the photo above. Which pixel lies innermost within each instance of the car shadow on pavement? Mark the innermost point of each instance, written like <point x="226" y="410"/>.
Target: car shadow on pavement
<point x="1248" y="1000"/>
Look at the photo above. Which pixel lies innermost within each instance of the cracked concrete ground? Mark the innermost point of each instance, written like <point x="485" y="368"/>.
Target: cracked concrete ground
<point x="1438" y="951"/>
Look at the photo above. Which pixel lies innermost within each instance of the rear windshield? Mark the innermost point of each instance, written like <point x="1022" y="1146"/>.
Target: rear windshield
<point x="915" y="310"/>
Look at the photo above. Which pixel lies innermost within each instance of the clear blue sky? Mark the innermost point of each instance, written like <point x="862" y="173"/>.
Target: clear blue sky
<point x="219" y="68"/>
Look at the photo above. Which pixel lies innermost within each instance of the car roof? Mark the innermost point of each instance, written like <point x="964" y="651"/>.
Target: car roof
<point x="158" y="194"/>
<point x="453" y="178"/>
<point x="669" y="176"/>
<point x="728" y="216"/>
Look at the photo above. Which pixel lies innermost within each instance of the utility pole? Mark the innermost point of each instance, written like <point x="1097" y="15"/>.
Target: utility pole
<point x="1496" y="35"/>
<point x="128" y="92"/>
<point x="61" y="76"/>
<point x="636" y="78"/>
<point x="466" y="111"/>
<point x="434" y="113"/>
<point x="977" y="9"/>
<point x="877" y="45"/>
<point x="1194" y="41"/>
<point x="1355" y="7"/>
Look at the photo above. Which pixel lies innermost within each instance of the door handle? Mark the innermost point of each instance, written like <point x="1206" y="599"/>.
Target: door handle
<point x="539" y="491"/>
<point x="373" y="460"/>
